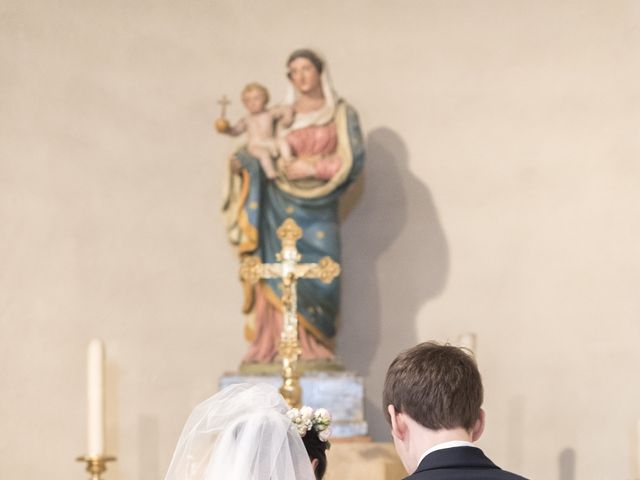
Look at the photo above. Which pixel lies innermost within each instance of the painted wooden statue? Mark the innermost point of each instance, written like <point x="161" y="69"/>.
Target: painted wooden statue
<point x="297" y="170"/>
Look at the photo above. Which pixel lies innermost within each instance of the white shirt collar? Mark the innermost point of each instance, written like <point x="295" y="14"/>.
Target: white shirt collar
<point x="442" y="446"/>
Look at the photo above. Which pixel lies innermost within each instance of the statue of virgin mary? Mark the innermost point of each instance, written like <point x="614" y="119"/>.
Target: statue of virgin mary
<point x="327" y="147"/>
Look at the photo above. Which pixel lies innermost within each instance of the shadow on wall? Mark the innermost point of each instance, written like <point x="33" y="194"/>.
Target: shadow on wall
<point x="395" y="258"/>
<point x="567" y="464"/>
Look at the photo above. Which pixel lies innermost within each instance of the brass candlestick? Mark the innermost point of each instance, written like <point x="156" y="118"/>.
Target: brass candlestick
<point x="96" y="465"/>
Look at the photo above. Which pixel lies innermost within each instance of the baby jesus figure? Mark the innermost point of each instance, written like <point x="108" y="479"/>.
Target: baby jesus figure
<point x="259" y="126"/>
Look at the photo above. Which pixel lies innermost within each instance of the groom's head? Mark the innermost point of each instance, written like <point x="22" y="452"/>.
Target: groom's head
<point x="438" y="386"/>
<point x="432" y="394"/>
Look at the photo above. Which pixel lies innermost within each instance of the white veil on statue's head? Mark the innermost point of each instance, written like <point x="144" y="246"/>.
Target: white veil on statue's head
<point x="241" y="433"/>
<point x="323" y="115"/>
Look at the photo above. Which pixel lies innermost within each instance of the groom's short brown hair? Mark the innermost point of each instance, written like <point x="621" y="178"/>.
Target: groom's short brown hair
<point x="439" y="386"/>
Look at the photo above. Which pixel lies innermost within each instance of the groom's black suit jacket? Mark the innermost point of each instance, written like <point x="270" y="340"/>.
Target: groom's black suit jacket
<point x="460" y="463"/>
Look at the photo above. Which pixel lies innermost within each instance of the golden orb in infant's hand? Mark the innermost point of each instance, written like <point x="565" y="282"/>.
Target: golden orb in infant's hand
<point x="222" y="125"/>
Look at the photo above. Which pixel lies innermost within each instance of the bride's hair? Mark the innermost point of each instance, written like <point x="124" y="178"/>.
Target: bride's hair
<point x="316" y="449"/>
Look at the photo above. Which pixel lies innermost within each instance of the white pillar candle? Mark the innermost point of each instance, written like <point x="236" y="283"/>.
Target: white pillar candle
<point x="95" y="398"/>
<point x="468" y="341"/>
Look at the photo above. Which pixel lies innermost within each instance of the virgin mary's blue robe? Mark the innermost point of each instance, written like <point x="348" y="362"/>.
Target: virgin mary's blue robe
<point x="265" y="205"/>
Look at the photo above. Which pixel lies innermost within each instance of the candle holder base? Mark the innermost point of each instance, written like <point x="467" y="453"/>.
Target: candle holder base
<point x="96" y="466"/>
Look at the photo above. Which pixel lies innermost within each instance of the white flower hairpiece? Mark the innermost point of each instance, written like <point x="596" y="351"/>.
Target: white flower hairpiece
<point x="305" y="418"/>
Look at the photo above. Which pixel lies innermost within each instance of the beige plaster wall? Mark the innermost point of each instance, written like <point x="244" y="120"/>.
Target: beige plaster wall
<point x="500" y="197"/>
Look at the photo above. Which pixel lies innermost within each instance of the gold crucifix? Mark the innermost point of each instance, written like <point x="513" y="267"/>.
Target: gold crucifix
<point x="289" y="270"/>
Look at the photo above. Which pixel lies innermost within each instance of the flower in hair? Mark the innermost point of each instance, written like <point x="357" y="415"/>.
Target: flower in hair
<point x="305" y="419"/>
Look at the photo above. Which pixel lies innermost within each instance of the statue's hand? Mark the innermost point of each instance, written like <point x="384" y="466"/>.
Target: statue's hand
<point x="299" y="169"/>
<point x="235" y="164"/>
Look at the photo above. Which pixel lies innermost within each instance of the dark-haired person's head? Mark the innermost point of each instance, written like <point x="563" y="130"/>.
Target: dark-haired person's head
<point x="316" y="449"/>
<point x="304" y="70"/>
<point x="309" y="55"/>
<point x="433" y="392"/>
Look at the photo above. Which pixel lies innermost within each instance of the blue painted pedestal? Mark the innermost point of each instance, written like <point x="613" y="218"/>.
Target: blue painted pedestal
<point x="342" y="393"/>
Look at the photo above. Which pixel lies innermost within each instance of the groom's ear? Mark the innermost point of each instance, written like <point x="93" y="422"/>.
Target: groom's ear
<point x="478" y="428"/>
<point x="398" y="423"/>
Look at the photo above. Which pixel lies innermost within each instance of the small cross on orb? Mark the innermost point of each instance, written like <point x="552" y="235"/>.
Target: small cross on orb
<point x="222" y="124"/>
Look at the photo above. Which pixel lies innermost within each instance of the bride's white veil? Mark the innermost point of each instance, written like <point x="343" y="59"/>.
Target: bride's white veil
<point x="241" y="433"/>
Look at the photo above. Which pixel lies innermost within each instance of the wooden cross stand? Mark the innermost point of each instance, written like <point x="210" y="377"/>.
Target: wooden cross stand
<point x="289" y="270"/>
